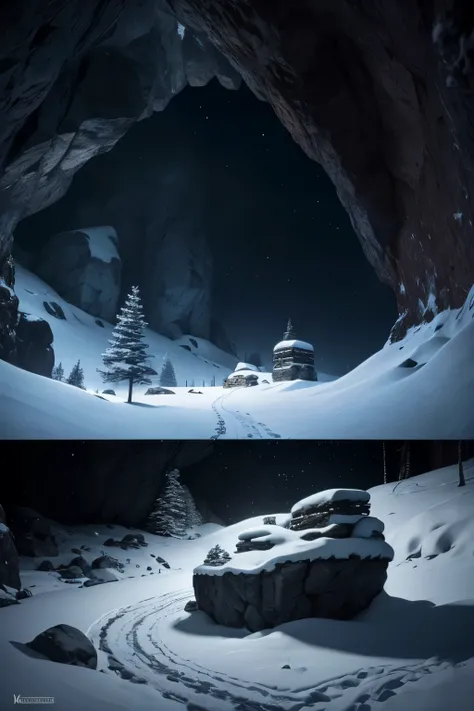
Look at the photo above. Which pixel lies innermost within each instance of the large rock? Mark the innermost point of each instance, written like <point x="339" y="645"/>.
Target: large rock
<point x="9" y="559"/>
<point x="84" y="267"/>
<point x="66" y="645"/>
<point x="34" y="344"/>
<point x="32" y="532"/>
<point x="336" y="589"/>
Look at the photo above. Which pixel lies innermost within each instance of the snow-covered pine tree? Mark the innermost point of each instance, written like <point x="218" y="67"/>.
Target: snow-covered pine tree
<point x="168" y="376"/>
<point x="58" y="372"/>
<point x="169" y="514"/>
<point x="76" y="376"/>
<point x="193" y="517"/>
<point x="126" y="357"/>
<point x="289" y="334"/>
<point x="217" y="556"/>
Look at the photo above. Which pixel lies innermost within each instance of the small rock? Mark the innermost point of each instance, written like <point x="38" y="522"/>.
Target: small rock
<point x="106" y="561"/>
<point x="191" y="606"/>
<point x="110" y="542"/>
<point x="72" y="572"/>
<point x="81" y="562"/>
<point x="286" y="666"/>
<point x="23" y="594"/>
<point x="148" y="567"/>
<point x="77" y="551"/>
<point x="45" y="565"/>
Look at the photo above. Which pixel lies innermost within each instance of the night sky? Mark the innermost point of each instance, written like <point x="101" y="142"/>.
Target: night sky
<point x="282" y="244"/>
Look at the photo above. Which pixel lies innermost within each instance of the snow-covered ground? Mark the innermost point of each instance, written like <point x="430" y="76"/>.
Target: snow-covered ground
<point x="413" y="649"/>
<point x="421" y="387"/>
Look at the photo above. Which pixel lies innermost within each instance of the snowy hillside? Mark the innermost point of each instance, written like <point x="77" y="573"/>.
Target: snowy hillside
<point x="411" y="650"/>
<point x="421" y="387"/>
<point x="79" y="335"/>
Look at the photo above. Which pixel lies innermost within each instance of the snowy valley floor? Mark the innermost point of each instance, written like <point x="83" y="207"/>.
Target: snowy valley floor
<point x="421" y="387"/>
<point x="413" y="649"/>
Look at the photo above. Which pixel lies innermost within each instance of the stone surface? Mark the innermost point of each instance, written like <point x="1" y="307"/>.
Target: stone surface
<point x="32" y="532"/>
<point x="9" y="559"/>
<point x="336" y="589"/>
<point x="66" y="645"/>
<point x="84" y="267"/>
<point x="34" y="345"/>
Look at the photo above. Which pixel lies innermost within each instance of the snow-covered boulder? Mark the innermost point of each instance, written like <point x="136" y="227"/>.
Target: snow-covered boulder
<point x="84" y="267"/>
<point x="9" y="559"/>
<point x="66" y="645"/>
<point x="296" y="579"/>
<point x="34" y="345"/>
<point x="323" y="564"/>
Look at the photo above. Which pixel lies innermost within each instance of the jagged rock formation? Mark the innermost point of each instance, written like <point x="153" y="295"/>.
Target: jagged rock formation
<point x="366" y="89"/>
<point x="84" y="267"/>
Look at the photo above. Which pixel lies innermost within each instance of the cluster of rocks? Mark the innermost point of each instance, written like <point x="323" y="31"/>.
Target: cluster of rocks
<point x="337" y="579"/>
<point x="130" y="540"/>
<point x="241" y="380"/>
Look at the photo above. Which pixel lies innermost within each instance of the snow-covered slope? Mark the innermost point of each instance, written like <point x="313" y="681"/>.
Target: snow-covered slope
<point x="421" y="387"/>
<point x="412" y="649"/>
<point x="79" y="335"/>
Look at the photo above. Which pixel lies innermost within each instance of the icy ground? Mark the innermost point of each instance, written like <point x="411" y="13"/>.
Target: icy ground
<point x="412" y="650"/>
<point x="421" y="387"/>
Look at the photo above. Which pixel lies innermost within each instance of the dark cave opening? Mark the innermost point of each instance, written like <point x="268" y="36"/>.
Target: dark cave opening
<point x="217" y="171"/>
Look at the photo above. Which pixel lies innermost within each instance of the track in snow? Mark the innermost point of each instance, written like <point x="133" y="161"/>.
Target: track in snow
<point x="247" y="426"/>
<point x="131" y="644"/>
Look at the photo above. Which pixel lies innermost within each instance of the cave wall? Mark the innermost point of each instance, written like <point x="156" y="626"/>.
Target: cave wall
<point x="74" y="77"/>
<point x="364" y="88"/>
<point x="385" y="106"/>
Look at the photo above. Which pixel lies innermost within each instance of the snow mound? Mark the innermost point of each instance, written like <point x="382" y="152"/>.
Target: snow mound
<point x="282" y="345"/>
<point x="246" y="366"/>
<point x="289" y="547"/>
<point x="322" y="498"/>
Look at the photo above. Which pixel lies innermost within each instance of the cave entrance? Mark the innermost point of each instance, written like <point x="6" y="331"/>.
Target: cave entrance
<point x="214" y="194"/>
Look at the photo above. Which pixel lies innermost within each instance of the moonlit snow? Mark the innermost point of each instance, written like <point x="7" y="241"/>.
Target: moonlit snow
<point x="421" y="387"/>
<point x="411" y="650"/>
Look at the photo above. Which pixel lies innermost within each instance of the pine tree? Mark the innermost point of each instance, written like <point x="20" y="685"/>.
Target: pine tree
<point x="76" y="376"/>
<point x="193" y="517"/>
<point x="169" y="515"/>
<point x="289" y="334"/>
<point x="168" y="376"/>
<point x="126" y="357"/>
<point x="58" y="372"/>
<point x="217" y="556"/>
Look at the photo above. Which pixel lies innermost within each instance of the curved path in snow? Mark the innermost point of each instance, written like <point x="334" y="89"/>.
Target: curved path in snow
<point x="136" y="643"/>
<point x="235" y="424"/>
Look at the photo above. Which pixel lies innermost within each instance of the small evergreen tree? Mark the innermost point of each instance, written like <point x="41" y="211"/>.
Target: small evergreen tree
<point x="289" y="334"/>
<point x="193" y="517"/>
<point x="76" y="376"/>
<point x="126" y="357"/>
<point x="58" y="372"/>
<point x="168" y="376"/>
<point x="217" y="556"/>
<point x="170" y="512"/>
